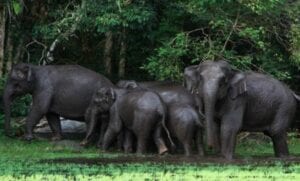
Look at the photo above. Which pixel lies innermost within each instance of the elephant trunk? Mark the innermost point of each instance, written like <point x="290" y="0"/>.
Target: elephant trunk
<point x="7" y="98"/>
<point x="210" y="97"/>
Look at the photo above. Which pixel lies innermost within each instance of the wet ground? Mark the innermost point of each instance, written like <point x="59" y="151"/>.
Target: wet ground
<point x="176" y="159"/>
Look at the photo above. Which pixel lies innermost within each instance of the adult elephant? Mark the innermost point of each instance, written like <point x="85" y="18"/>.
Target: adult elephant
<point x="57" y="90"/>
<point x="242" y="101"/>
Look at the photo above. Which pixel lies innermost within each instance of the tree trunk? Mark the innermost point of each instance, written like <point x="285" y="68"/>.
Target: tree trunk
<point x="2" y="36"/>
<point x="8" y="50"/>
<point x="19" y="50"/>
<point x="107" y="52"/>
<point x="123" y="48"/>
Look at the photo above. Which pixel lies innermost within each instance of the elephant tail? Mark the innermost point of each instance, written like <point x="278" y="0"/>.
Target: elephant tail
<point x="199" y="119"/>
<point x="173" y="147"/>
<point x="297" y="97"/>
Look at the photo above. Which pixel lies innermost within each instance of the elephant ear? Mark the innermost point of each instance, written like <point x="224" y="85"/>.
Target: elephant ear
<point x="237" y="85"/>
<point x="23" y="73"/>
<point x="131" y="85"/>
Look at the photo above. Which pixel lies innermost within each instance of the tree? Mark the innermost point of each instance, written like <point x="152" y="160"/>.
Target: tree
<point x="2" y="35"/>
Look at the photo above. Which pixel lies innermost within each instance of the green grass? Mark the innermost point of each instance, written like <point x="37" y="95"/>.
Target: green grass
<point x="20" y="160"/>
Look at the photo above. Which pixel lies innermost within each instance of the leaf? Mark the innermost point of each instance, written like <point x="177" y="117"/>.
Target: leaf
<point x="17" y="7"/>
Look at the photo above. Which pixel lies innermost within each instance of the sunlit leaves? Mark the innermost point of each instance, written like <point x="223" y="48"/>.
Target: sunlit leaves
<point x="262" y="6"/>
<point x="17" y="6"/>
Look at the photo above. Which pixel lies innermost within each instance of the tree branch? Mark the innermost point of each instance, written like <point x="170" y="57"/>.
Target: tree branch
<point x="231" y="31"/>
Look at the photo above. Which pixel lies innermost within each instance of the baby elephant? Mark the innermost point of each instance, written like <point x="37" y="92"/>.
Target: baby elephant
<point x="141" y="112"/>
<point x="186" y="125"/>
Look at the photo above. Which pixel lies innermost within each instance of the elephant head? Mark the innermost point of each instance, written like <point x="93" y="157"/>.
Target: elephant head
<point x="190" y="78"/>
<point x="103" y="99"/>
<point x="20" y="81"/>
<point x="215" y="81"/>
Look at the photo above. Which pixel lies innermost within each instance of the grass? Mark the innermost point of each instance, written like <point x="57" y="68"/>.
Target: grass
<point x="20" y="160"/>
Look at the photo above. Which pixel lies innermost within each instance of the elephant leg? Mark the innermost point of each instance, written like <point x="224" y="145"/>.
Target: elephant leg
<point x="158" y="139"/>
<point x="103" y="128"/>
<point x="128" y="139"/>
<point x="54" y="123"/>
<point x="199" y="141"/>
<point x="109" y="136"/>
<point x="228" y="140"/>
<point x="90" y="126"/>
<point x="230" y="126"/>
<point x="141" y="144"/>
<point x="187" y="145"/>
<point x="39" y="108"/>
<point x="142" y="135"/>
<point x="120" y="140"/>
<point x="31" y="122"/>
<point x="280" y="144"/>
<point x="277" y="131"/>
<point x="185" y="136"/>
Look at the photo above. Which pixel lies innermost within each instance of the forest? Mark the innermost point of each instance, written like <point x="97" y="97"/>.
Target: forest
<point x="147" y="40"/>
<point x="151" y="39"/>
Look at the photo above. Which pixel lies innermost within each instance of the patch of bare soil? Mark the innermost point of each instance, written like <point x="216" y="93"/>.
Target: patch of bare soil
<point x="175" y="160"/>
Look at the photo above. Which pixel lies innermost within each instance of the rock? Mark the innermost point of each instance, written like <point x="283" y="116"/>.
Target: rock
<point x="67" y="126"/>
<point x="70" y="129"/>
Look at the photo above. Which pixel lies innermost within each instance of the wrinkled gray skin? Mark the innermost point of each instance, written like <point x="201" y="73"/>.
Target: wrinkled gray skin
<point x="243" y="101"/>
<point x="141" y="112"/>
<point x="185" y="124"/>
<point x="183" y="116"/>
<point x="57" y="90"/>
<point x="170" y="92"/>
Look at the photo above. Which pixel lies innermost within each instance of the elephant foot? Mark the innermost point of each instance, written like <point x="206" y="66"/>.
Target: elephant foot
<point x="162" y="150"/>
<point x="56" y="138"/>
<point x="28" y="137"/>
<point x="84" y="142"/>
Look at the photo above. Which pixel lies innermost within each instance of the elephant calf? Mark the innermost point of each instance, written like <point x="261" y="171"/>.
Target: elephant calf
<point x="141" y="112"/>
<point x="185" y="124"/>
<point x="183" y="119"/>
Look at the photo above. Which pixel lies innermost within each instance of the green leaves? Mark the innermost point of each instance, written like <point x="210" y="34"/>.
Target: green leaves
<point x="262" y="6"/>
<point x="166" y="65"/>
<point x="17" y="7"/>
<point x="251" y="34"/>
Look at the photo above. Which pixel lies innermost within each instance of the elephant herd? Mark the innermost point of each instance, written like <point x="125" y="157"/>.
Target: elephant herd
<point x="215" y="99"/>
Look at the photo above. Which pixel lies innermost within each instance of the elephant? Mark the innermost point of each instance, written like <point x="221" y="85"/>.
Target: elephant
<point x="141" y="112"/>
<point x="241" y="101"/>
<point x="185" y="123"/>
<point x="57" y="90"/>
<point x="170" y="92"/>
<point x="184" y="120"/>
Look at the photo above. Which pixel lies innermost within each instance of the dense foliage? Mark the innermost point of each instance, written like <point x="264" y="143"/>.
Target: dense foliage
<point x="161" y="37"/>
<point x="155" y="39"/>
